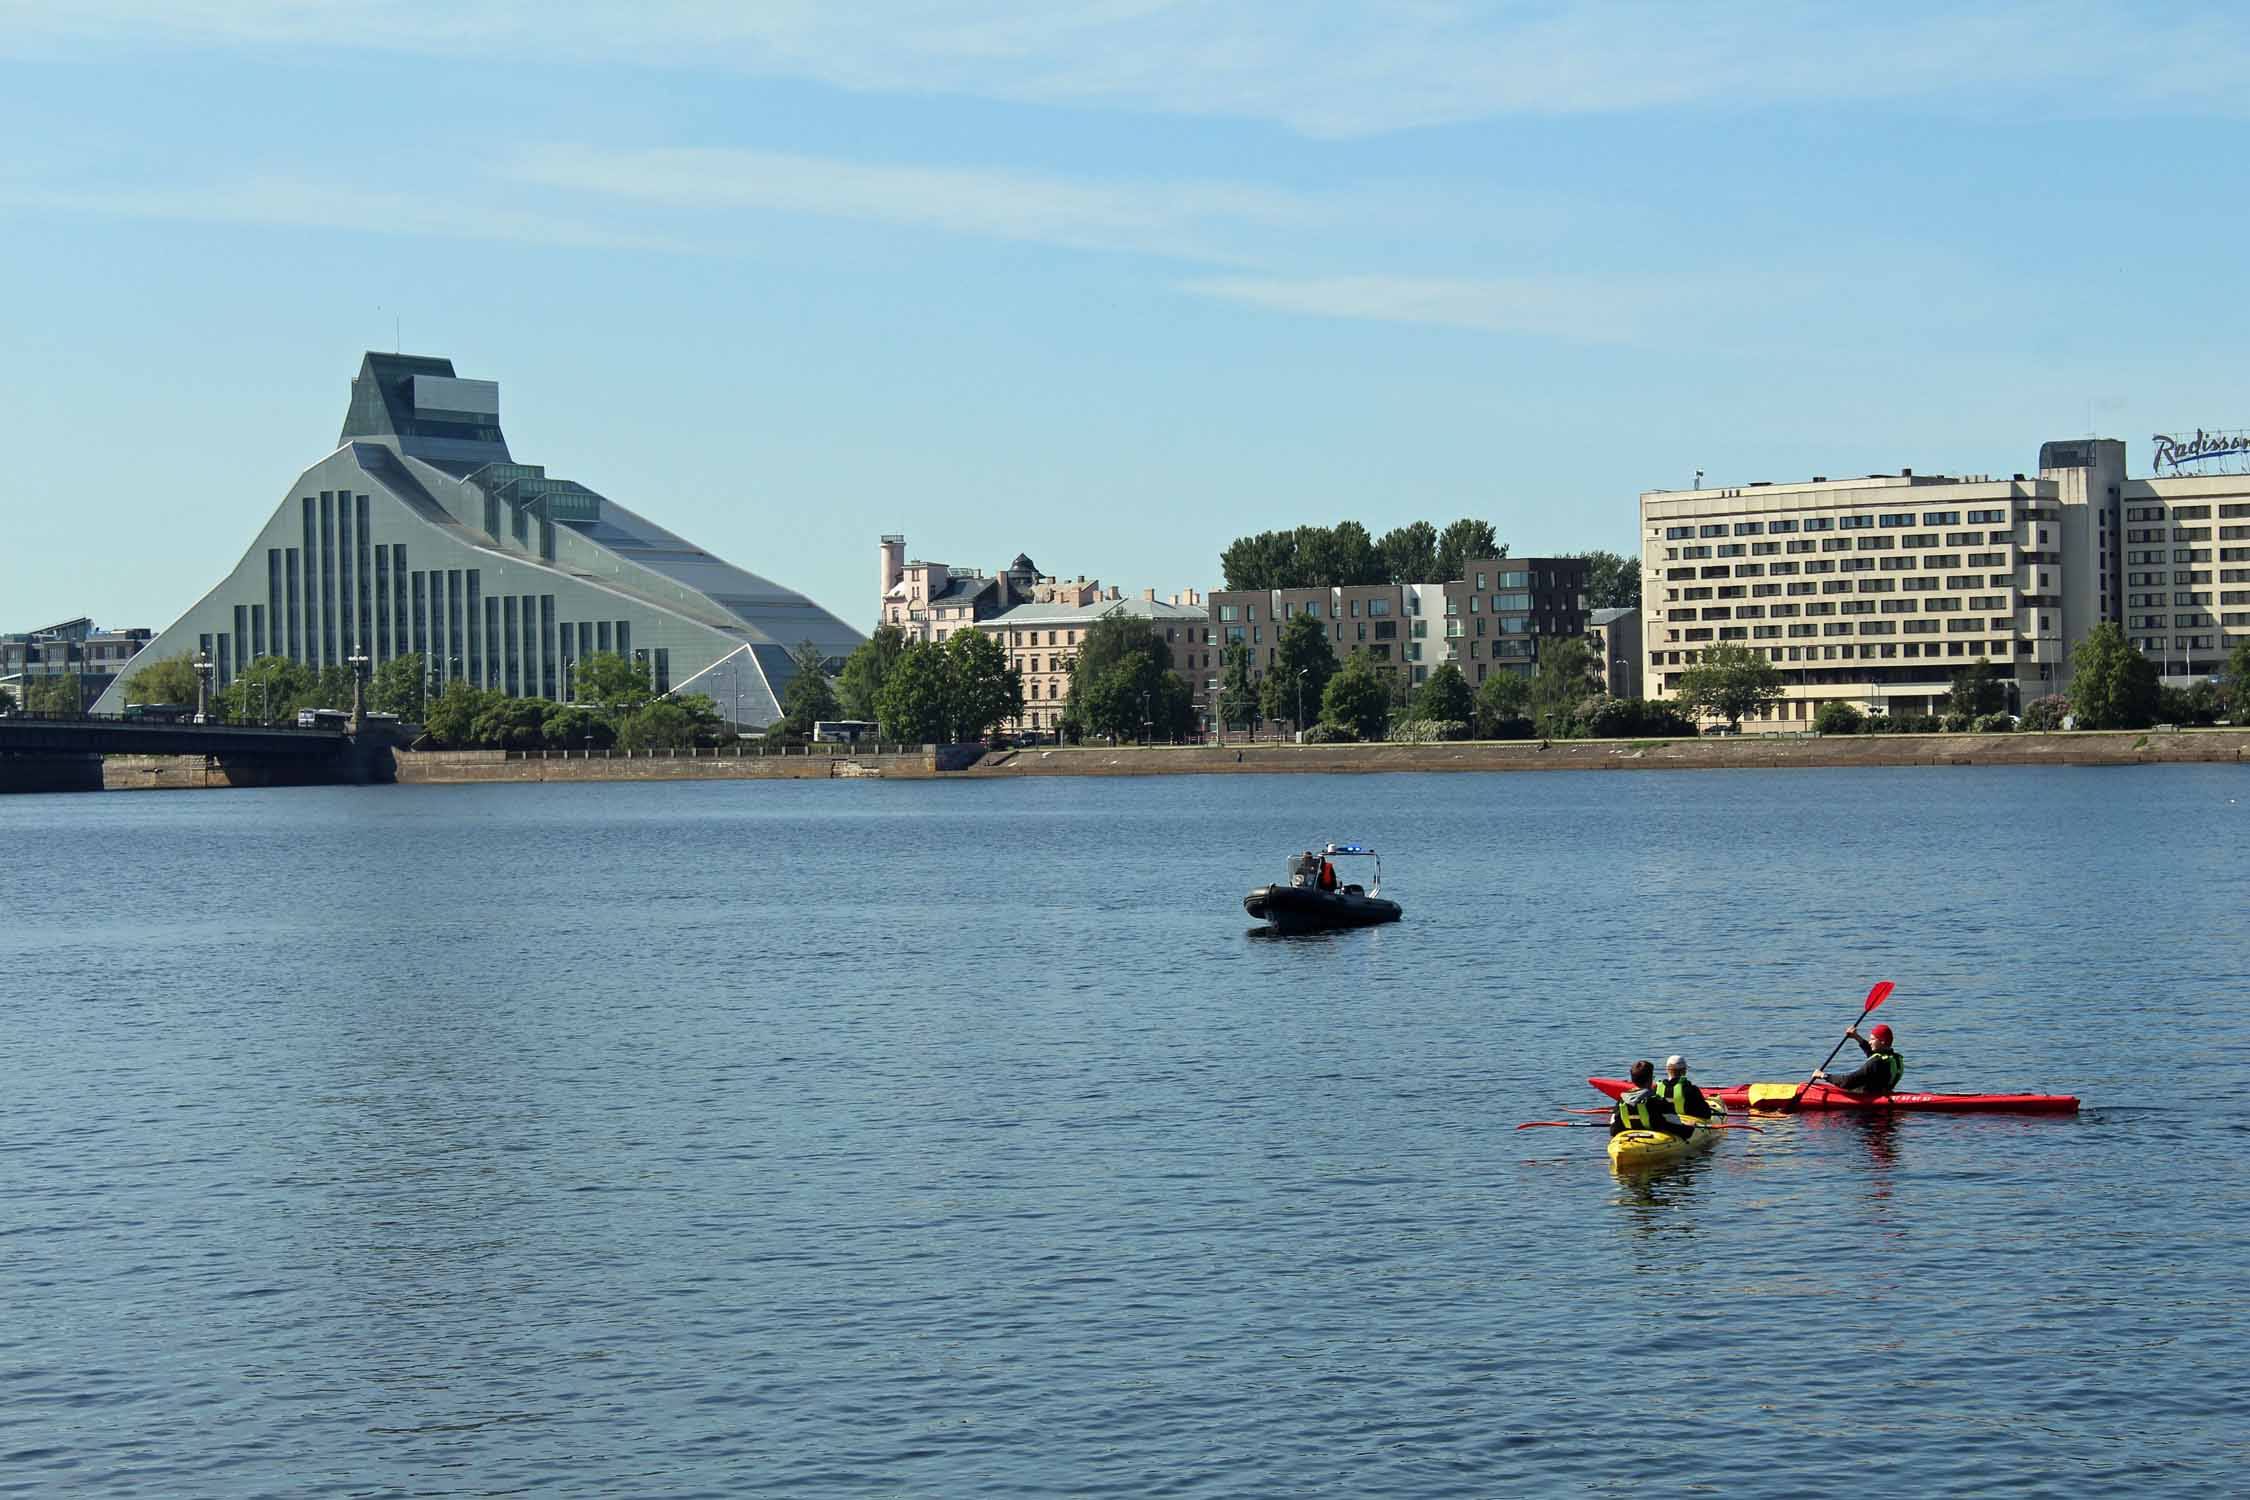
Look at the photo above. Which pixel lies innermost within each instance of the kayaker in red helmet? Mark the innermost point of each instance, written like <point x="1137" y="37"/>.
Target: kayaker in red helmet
<point x="1641" y="1107"/>
<point x="1877" y="1076"/>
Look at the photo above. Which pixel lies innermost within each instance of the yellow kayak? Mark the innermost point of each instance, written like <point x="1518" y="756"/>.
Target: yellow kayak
<point x="1650" y="1148"/>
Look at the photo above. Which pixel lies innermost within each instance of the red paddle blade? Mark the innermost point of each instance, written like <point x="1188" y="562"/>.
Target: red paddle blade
<point x="1877" y="996"/>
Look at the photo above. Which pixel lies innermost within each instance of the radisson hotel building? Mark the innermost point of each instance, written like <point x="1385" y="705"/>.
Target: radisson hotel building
<point x="421" y="534"/>
<point x="1875" y="591"/>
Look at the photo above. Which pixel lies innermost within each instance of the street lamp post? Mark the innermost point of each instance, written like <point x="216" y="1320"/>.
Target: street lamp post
<point x="1301" y="671"/>
<point x="357" y="661"/>
<point x="202" y="686"/>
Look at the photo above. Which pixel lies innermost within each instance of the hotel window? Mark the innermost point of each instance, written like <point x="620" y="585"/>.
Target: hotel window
<point x="1700" y="531"/>
<point x="1678" y="533"/>
<point x="1377" y="607"/>
<point x="1862" y="522"/>
<point x="1892" y="521"/>
<point x="1983" y="518"/>
<point x="1749" y="528"/>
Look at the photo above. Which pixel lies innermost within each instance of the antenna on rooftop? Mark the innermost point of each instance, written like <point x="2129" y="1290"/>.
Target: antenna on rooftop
<point x="1698" y="480"/>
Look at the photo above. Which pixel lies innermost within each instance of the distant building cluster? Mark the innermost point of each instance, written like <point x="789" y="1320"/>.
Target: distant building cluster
<point x="1874" y="591"/>
<point x="73" y="649"/>
<point x="1493" y="618"/>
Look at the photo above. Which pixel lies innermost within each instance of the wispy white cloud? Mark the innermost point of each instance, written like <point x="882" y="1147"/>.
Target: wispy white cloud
<point x="1579" y="308"/>
<point x="1325" y="67"/>
<point x="1213" y="222"/>
<point x="307" y="204"/>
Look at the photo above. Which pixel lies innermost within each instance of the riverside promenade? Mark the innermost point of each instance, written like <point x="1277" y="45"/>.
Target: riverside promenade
<point x="1746" y="752"/>
<point x="958" y="762"/>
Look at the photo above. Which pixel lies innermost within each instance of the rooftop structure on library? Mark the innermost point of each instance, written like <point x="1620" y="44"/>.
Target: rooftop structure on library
<point x="421" y="534"/>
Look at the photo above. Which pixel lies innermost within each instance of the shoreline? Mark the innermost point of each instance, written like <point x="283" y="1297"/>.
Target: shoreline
<point x="969" y="762"/>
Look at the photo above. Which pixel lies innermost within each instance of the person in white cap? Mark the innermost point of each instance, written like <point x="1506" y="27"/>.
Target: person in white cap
<point x="1685" y="1098"/>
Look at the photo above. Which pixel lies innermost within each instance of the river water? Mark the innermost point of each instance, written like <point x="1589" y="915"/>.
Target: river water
<point x="869" y="1139"/>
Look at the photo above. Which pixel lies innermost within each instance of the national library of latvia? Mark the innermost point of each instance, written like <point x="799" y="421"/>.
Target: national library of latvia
<point x="1875" y="591"/>
<point x="420" y="534"/>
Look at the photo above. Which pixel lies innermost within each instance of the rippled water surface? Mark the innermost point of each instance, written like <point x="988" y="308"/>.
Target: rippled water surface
<point x="864" y="1139"/>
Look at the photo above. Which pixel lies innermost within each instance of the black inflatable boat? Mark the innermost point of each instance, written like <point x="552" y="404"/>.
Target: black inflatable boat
<point x="1313" y="900"/>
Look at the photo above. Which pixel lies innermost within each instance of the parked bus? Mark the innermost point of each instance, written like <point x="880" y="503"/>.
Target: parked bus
<point x="843" y="731"/>
<point x="323" y="718"/>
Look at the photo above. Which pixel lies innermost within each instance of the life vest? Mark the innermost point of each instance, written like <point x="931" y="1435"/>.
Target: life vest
<point x="1673" y="1091"/>
<point x="1634" y="1110"/>
<point x="1893" y="1064"/>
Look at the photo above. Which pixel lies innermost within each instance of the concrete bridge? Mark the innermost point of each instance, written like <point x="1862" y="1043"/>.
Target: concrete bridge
<point x="84" y="754"/>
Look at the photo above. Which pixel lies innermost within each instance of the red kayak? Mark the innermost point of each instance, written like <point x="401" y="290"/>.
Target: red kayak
<point x="1827" y="1096"/>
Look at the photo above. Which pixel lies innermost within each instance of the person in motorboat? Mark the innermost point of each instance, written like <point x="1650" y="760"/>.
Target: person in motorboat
<point x="1302" y="869"/>
<point x="1327" y="874"/>
<point x="1877" y="1076"/>
<point x="1678" y="1091"/>
<point x="1641" y="1107"/>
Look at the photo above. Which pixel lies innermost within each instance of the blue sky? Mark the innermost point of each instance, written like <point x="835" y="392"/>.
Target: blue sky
<point x="1109" y="283"/>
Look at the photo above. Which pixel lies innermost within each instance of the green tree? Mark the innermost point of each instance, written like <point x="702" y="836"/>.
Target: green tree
<point x="2112" y="686"/>
<point x="1301" y="647"/>
<point x="2238" y="681"/>
<point x="1122" y="678"/>
<point x="659" y="724"/>
<point x="569" y="727"/>
<point x="1635" y="718"/>
<point x="1568" y="675"/>
<point x="1409" y="553"/>
<point x="505" y="723"/>
<point x="1504" y="705"/>
<point x="172" y="680"/>
<point x="2197" y="704"/>
<point x="984" y="690"/>
<point x="57" y="697"/>
<point x="807" y="698"/>
<point x="1446" y="697"/>
<point x="611" y="683"/>
<point x="1461" y="541"/>
<point x="1613" y="580"/>
<point x="1730" y="681"/>
<point x="1838" y="718"/>
<point x="916" y="703"/>
<point x="270" y="687"/>
<point x="1265" y="561"/>
<point x="1238" y="694"/>
<point x="859" y="691"/>
<point x="332" y="688"/>
<point x="1978" y="690"/>
<point x="400" y="686"/>
<point x="1357" y="699"/>
<point x="453" y="715"/>
<point x="1333" y="556"/>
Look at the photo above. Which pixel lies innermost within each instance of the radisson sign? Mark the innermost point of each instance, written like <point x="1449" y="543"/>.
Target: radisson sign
<point x="2176" y="454"/>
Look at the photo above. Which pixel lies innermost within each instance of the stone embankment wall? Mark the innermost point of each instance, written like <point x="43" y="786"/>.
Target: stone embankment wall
<point x="1715" y="753"/>
<point x="435" y="767"/>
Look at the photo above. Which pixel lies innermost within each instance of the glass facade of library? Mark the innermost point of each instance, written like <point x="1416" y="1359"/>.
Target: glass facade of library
<point x="420" y="535"/>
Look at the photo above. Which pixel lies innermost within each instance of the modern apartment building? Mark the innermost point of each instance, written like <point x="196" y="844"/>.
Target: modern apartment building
<point x="1615" y="635"/>
<point x="420" y="533"/>
<point x="1875" y="591"/>
<point x="73" y="648"/>
<point x="1492" y="618"/>
<point x="1042" y="641"/>
<point x="1500" y="609"/>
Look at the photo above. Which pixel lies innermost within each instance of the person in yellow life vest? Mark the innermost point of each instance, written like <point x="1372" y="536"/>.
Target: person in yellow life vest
<point x="1641" y="1107"/>
<point x="1681" y="1094"/>
<point x="1878" y="1075"/>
